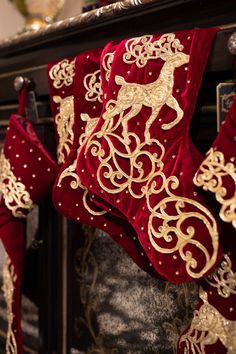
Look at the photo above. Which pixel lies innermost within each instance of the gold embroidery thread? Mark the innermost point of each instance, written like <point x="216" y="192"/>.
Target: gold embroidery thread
<point x="111" y="148"/>
<point x="75" y="183"/>
<point x="134" y="96"/>
<point x="9" y="278"/>
<point x="207" y="327"/>
<point x="107" y="63"/>
<point x="16" y="197"/>
<point x="62" y="73"/>
<point x="223" y="278"/>
<point x="93" y="85"/>
<point x="211" y="175"/>
<point x="64" y="121"/>
<point x="140" y="50"/>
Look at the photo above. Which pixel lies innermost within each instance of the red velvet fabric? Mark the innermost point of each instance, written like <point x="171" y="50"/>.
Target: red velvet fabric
<point x="61" y="85"/>
<point x="29" y="160"/>
<point x="213" y="328"/>
<point x="13" y="237"/>
<point x="140" y="158"/>
<point x="70" y="197"/>
<point x="217" y="173"/>
<point x="216" y="332"/>
<point x="27" y="174"/>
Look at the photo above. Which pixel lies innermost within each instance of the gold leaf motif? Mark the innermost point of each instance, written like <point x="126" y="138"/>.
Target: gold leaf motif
<point x="16" y="197"/>
<point x="93" y="85"/>
<point x="223" y="278"/>
<point x="211" y="176"/>
<point x="143" y="175"/>
<point x="207" y="327"/>
<point x="9" y="278"/>
<point x="62" y="73"/>
<point x="107" y="63"/>
<point x="65" y="123"/>
<point x="141" y="49"/>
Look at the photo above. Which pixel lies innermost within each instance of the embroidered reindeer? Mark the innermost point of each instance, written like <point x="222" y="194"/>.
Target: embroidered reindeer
<point x="207" y="327"/>
<point x="154" y="95"/>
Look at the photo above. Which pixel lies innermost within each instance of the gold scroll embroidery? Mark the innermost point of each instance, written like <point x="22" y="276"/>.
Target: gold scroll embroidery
<point x="70" y="171"/>
<point x="14" y="192"/>
<point x="207" y="327"/>
<point x="62" y="73"/>
<point x="65" y="122"/>
<point x="9" y="278"/>
<point x="141" y="49"/>
<point x="223" y="278"/>
<point x="210" y="176"/>
<point x="107" y="63"/>
<point x="93" y="85"/>
<point x="143" y="175"/>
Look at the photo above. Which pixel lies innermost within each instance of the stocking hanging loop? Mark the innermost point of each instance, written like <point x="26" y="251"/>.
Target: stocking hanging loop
<point x="26" y="98"/>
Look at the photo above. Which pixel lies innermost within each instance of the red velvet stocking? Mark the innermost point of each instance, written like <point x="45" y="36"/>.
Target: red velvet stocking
<point x="13" y="237"/>
<point x="213" y="327"/>
<point x="70" y="196"/>
<point x="26" y="176"/>
<point x="140" y="158"/>
<point x="217" y="172"/>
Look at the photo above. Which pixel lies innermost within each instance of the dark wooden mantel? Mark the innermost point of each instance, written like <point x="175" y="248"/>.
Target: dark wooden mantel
<point x="28" y="53"/>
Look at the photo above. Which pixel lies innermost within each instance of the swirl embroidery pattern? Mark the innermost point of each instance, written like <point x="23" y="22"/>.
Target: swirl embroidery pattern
<point x="93" y="85"/>
<point x="62" y="73"/>
<point x="117" y="144"/>
<point x="70" y="171"/>
<point x="207" y="327"/>
<point x="65" y="122"/>
<point x="16" y="197"/>
<point x="141" y="49"/>
<point x="9" y="278"/>
<point x="107" y="63"/>
<point x="211" y="177"/>
<point x="223" y="278"/>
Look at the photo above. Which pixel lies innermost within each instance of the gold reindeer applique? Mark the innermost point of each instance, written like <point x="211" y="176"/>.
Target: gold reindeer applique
<point x="154" y="95"/>
<point x="207" y="327"/>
